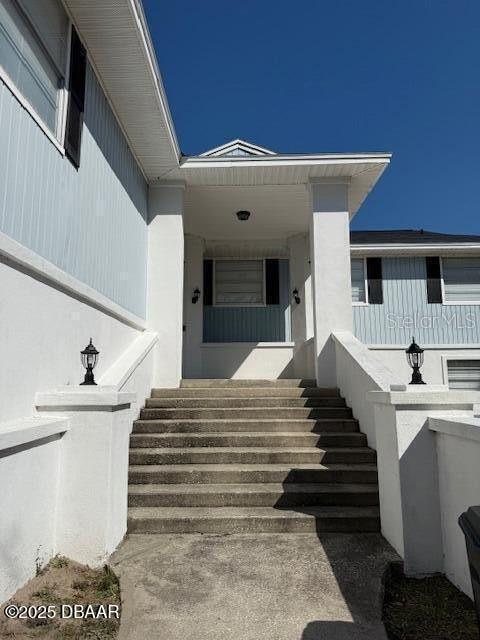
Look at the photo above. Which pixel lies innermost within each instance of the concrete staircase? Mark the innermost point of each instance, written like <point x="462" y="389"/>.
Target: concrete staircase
<point x="250" y="456"/>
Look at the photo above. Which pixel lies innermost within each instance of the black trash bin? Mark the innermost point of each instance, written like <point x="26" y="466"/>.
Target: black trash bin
<point x="469" y="522"/>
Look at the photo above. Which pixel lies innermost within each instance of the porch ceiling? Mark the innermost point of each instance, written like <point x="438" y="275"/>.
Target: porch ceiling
<point x="277" y="211"/>
<point x="273" y="188"/>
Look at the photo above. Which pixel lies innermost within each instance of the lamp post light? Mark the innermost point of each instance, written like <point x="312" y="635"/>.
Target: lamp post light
<point x="89" y="361"/>
<point x="415" y="360"/>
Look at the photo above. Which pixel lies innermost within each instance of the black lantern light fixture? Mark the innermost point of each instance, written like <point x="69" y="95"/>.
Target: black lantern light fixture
<point x="296" y="297"/>
<point x="415" y="360"/>
<point x="243" y="215"/>
<point x="196" y="295"/>
<point x="89" y="361"/>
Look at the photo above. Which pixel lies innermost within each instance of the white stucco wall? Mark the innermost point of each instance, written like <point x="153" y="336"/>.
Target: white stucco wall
<point x="267" y="360"/>
<point x="165" y="281"/>
<point x="29" y="477"/>
<point x="458" y="453"/>
<point x="434" y="368"/>
<point x="193" y="313"/>
<point x="331" y="279"/>
<point x="42" y="331"/>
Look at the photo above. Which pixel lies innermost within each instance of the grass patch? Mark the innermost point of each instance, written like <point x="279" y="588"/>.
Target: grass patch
<point x="426" y="609"/>
<point x="65" y="582"/>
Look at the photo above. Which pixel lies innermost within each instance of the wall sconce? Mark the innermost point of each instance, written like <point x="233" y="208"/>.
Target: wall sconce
<point x="196" y="295"/>
<point x="89" y="361"/>
<point x="296" y="297"/>
<point x="415" y="360"/>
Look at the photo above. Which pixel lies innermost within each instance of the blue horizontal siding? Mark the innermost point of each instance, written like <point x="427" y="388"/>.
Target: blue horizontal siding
<point x="92" y="222"/>
<point x="406" y="312"/>
<point x="251" y="324"/>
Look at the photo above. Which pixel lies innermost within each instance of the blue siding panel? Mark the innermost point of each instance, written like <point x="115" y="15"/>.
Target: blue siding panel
<point x="251" y="324"/>
<point x="92" y="222"/>
<point x="406" y="311"/>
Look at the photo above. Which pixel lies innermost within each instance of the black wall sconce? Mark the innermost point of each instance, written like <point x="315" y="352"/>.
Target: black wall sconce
<point x="243" y="215"/>
<point x="196" y="295"/>
<point x="89" y="361"/>
<point x="296" y="297"/>
<point x="415" y="360"/>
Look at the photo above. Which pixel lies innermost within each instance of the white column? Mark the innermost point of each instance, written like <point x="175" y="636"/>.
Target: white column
<point x="165" y="281"/>
<point x="193" y="312"/>
<point x="302" y="313"/>
<point x="331" y="278"/>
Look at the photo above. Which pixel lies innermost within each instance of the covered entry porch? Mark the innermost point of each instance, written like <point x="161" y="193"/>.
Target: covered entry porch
<point x="261" y="262"/>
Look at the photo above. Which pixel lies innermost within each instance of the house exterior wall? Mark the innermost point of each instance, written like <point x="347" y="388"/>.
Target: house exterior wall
<point x="92" y="222"/>
<point x="406" y="312"/>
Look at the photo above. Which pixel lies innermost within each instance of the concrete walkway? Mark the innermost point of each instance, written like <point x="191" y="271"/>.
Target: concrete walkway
<point x="252" y="587"/>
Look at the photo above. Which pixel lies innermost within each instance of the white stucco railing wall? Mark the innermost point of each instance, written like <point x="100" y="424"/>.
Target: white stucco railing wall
<point x="458" y="453"/>
<point x="358" y="372"/>
<point x="64" y="472"/>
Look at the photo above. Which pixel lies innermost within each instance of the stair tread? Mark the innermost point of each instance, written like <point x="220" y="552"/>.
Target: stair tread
<point x="252" y="420"/>
<point x="188" y="513"/>
<point x="247" y="434"/>
<point x="173" y="450"/>
<point x="155" y="468"/>
<point x="254" y="487"/>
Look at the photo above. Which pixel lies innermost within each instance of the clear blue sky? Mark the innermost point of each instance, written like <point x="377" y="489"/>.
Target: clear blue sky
<point x="338" y="75"/>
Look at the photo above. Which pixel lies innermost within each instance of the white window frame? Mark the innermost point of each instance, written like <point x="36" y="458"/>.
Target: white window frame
<point x="57" y="137"/>
<point x="450" y="303"/>
<point x="366" y="302"/>
<point x="243" y="304"/>
<point x="445" y="359"/>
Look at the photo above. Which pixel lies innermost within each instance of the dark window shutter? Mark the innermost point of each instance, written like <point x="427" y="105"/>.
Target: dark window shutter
<point x="374" y="278"/>
<point x="76" y="102"/>
<point x="434" y="283"/>
<point x="272" y="283"/>
<point x="208" y="282"/>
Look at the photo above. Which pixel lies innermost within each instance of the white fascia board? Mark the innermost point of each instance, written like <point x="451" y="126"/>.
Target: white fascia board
<point x="414" y="249"/>
<point x="196" y="162"/>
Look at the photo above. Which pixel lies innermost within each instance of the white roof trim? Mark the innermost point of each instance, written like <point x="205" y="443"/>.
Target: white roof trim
<point x="241" y="145"/>
<point x="285" y="160"/>
<point x="433" y="248"/>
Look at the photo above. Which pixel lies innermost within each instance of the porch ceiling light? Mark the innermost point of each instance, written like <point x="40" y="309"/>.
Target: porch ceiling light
<point x="89" y="361"/>
<point x="243" y="215"/>
<point x="415" y="360"/>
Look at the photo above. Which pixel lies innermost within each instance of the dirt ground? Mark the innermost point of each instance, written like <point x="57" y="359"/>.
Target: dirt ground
<point x="427" y="609"/>
<point x="46" y="604"/>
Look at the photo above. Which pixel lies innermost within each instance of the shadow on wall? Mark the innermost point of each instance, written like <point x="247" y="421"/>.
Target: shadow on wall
<point x="333" y="630"/>
<point x="237" y="360"/>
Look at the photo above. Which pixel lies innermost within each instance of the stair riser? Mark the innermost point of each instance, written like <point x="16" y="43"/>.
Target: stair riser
<point x="246" y="392"/>
<point x="219" y="440"/>
<point x="226" y="414"/>
<point x="198" y="456"/>
<point x="366" y="499"/>
<point x="229" y="476"/>
<point x="255" y="525"/>
<point x="229" y="383"/>
<point x="194" y="426"/>
<point x="235" y="403"/>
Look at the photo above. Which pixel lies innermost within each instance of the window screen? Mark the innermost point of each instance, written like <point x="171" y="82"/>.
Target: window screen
<point x="358" y="280"/>
<point x="464" y="374"/>
<point x="461" y="278"/>
<point x="32" y="52"/>
<point x="239" y="282"/>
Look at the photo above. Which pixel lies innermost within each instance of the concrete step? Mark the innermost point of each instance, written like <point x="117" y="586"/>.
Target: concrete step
<point x="252" y="473"/>
<point x="237" y="403"/>
<point x="252" y="455"/>
<point x="251" y="495"/>
<point x="252" y="520"/>
<point x="228" y="414"/>
<point x="247" y="439"/>
<point x="323" y="425"/>
<point x="246" y="392"/>
<point x="220" y="382"/>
